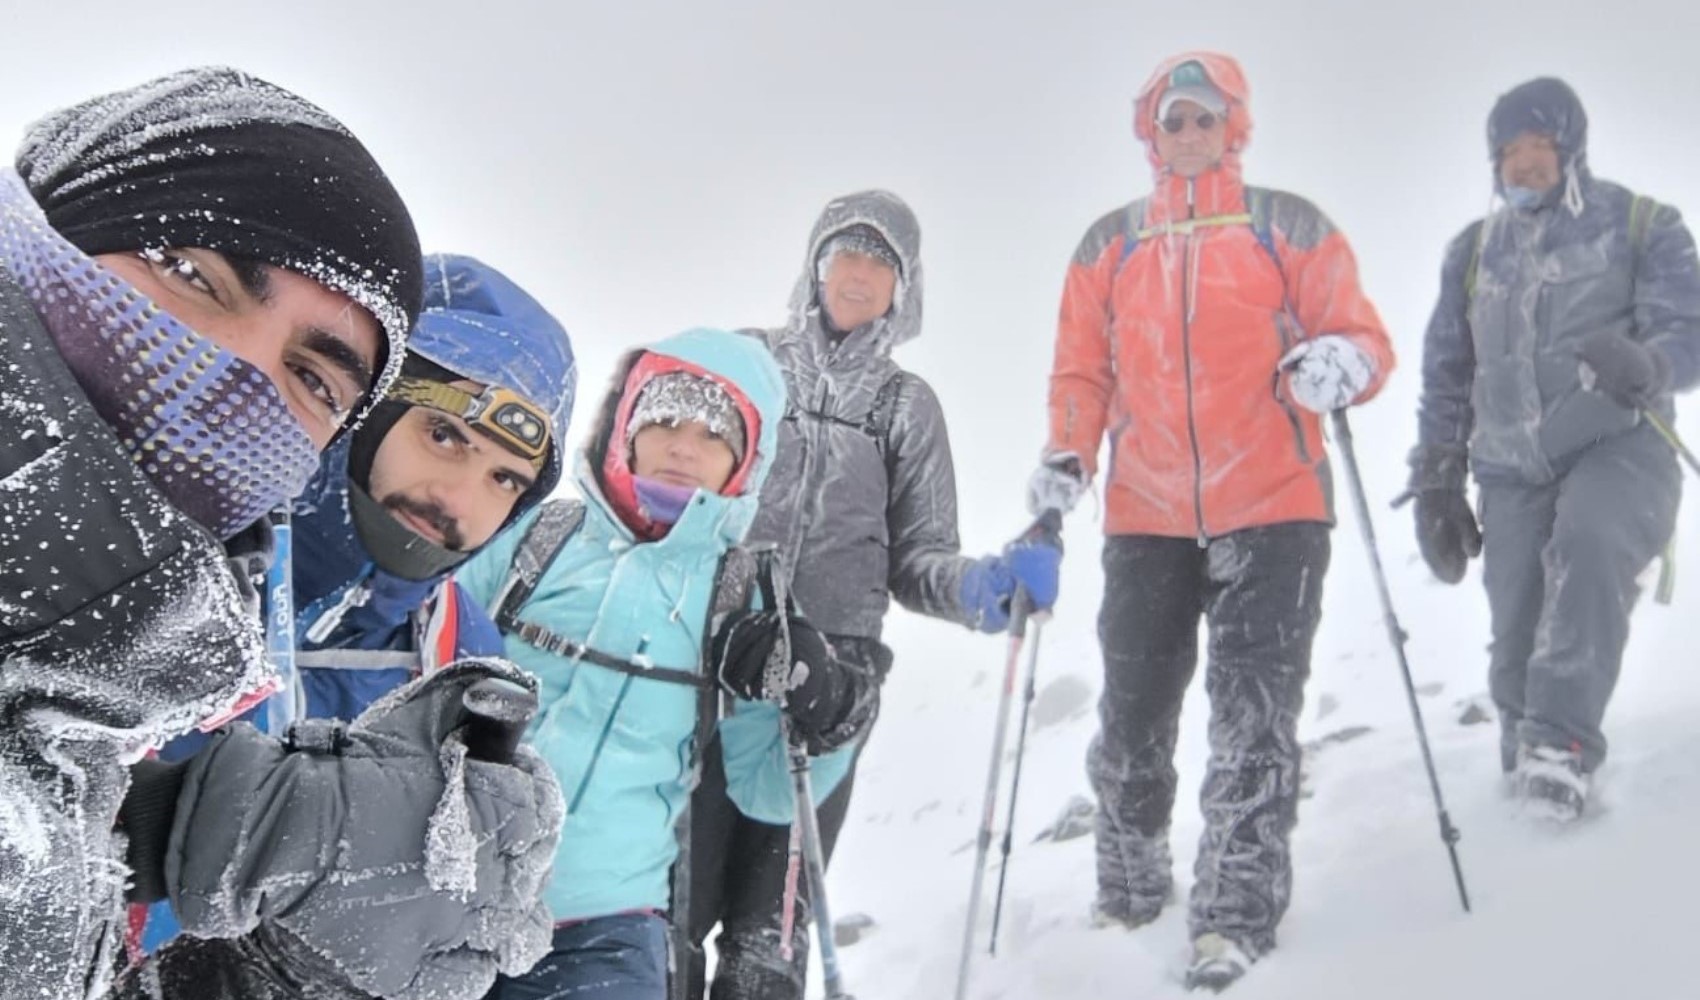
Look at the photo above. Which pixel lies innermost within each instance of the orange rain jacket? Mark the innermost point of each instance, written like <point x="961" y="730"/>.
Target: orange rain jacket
<point x="1173" y="348"/>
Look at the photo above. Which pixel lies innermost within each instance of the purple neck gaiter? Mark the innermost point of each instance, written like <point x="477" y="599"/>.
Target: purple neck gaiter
<point x="661" y="502"/>
<point x="207" y="428"/>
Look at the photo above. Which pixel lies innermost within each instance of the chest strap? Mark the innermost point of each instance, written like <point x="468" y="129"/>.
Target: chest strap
<point x="553" y="642"/>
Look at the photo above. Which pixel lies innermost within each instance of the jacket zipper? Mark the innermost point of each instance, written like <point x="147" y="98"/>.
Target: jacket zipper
<point x="1186" y="358"/>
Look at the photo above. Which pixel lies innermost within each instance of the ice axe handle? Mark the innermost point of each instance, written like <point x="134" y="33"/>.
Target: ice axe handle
<point x="497" y="712"/>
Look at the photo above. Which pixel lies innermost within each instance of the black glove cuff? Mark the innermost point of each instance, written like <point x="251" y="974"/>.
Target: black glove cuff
<point x="1438" y="467"/>
<point x="149" y="807"/>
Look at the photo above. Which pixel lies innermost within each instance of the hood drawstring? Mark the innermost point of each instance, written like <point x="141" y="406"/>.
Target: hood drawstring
<point x="1573" y="189"/>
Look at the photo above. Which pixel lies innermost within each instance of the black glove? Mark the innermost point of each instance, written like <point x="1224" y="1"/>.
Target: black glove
<point x="813" y="688"/>
<point x="1446" y="527"/>
<point x="1447" y="533"/>
<point x="1631" y="373"/>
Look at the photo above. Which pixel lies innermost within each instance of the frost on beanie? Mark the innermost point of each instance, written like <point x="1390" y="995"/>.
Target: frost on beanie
<point x="863" y="239"/>
<point x="680" y="397"/>
<point x="216" y="158"/>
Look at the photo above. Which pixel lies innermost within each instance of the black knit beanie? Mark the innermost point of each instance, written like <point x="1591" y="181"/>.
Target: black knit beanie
<point x="216" y="158"/>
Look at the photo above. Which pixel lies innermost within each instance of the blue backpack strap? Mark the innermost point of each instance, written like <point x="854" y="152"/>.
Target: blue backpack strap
<point x="1130" y="233"/>
<point x="1257" y="206"/>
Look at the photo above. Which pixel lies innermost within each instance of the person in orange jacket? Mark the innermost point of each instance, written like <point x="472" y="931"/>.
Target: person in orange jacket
<point x="1205" y="328"/>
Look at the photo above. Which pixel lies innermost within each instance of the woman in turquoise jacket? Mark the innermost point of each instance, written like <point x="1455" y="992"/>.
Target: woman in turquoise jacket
<point x="614" y="627"/>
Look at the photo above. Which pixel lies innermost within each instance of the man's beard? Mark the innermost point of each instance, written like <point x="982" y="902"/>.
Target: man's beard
<point x="431" y="514"/>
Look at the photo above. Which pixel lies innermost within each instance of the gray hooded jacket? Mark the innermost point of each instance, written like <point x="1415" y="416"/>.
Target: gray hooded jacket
<point x="861" y="499"/>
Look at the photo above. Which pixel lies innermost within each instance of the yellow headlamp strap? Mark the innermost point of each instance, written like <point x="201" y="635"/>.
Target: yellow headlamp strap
<point x="514" y="421"/>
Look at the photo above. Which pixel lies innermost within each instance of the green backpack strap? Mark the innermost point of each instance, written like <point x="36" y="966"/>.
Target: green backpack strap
<point x="1641" y="212"/>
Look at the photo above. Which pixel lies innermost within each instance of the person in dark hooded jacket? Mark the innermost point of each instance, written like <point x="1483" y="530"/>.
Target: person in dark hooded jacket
<point x="861" y="503"/>
<point x="202" y="280"/>
<point x="1567" y="318"/>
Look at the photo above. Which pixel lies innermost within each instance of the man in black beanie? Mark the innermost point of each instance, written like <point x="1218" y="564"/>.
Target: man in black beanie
<point x="202" y="280"/>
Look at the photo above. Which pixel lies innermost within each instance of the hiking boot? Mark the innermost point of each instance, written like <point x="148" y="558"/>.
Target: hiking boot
<point x="1118" y="910"/>
<point x="1551" y="782"/>
<point x="1217" y="963"/>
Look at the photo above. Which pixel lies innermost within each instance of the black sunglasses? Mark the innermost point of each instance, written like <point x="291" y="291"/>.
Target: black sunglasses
<point x="1175" y="123"/>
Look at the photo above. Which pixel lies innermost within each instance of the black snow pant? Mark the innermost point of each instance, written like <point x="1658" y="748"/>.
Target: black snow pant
<point x="738" y="870"/>
<point x="1560" y="563"/>
<point x="1260" y="591"/>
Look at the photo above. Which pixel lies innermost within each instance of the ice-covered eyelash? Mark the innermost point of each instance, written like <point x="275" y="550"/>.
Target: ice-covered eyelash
<point x="182" y="266"/>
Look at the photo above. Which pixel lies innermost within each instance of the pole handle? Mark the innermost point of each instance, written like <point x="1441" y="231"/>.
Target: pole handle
<point x="497" y="712"/>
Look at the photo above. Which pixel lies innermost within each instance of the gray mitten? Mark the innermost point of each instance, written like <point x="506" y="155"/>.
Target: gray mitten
<point x="380" y="846"/>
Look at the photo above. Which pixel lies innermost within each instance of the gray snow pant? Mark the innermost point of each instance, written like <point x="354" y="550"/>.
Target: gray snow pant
<point x="1560" y="562"/>
<point x="1260" y="590"/>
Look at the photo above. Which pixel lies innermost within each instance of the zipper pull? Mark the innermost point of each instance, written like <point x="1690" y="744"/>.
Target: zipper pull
<point x="354" y="597"/>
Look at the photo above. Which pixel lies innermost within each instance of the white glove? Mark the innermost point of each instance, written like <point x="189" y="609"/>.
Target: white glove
<point x="1057" y="484"/>
<point x="1327" y="372"/>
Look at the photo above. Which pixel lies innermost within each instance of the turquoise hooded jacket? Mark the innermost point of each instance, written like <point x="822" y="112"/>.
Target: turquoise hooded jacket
<point x="621" y="745"/>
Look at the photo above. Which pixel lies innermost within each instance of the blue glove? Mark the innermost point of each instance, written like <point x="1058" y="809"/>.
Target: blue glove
<point x="989" y="585"/>
<point x="1035" y="565"/>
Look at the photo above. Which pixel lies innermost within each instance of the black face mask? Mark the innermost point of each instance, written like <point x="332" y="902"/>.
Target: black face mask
<point x="394" y="547"/>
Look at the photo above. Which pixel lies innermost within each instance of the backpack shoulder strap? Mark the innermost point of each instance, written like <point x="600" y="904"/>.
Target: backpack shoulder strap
<point x="557" y="521"/>
<point x="883" y="414"/>
<point x="1475" y="262"/>
<point x="1135" y="216"/>
<point x="1641" y="212"/>
<point x="1262" y="227"/>
<point x="1257" y="206"/>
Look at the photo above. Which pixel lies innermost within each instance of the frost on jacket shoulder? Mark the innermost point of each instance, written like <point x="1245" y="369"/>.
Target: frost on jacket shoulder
<point x="1623" y="262"/>
<point x="121" y="624"/>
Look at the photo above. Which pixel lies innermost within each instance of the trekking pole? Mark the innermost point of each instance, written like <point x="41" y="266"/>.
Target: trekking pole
<point x="1017" y="635"/>
<point x="805" y="849"/>
<point x="1448" y="833"/>
<point x="814" y="863"/>
<point x="1049" y="530"/>
<point x="1020" y="609"/>
<point x="1668" y="432"/>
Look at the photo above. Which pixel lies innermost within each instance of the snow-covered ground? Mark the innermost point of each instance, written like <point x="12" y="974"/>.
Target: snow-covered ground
<point x="1600" y="910"/>
<point x="650" y="165"/>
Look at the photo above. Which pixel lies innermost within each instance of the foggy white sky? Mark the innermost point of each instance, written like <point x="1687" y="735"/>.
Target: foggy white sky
<point x="643" y="167"/>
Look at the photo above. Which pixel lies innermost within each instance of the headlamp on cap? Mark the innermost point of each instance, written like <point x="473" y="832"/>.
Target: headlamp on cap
<point x="500" y="413"/>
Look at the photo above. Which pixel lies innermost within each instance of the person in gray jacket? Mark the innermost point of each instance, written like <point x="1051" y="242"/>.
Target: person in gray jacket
<point x="203" y="280"/>
<point x="1566" y="320"/>
<point x="861" y="503"/>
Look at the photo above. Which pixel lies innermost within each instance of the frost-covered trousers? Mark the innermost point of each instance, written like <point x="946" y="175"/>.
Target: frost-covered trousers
<point x="738" y="881"/>
<point x="622" y="956"/>
<point x="1260" y="590"/>
<point x="1560" y="563"/>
